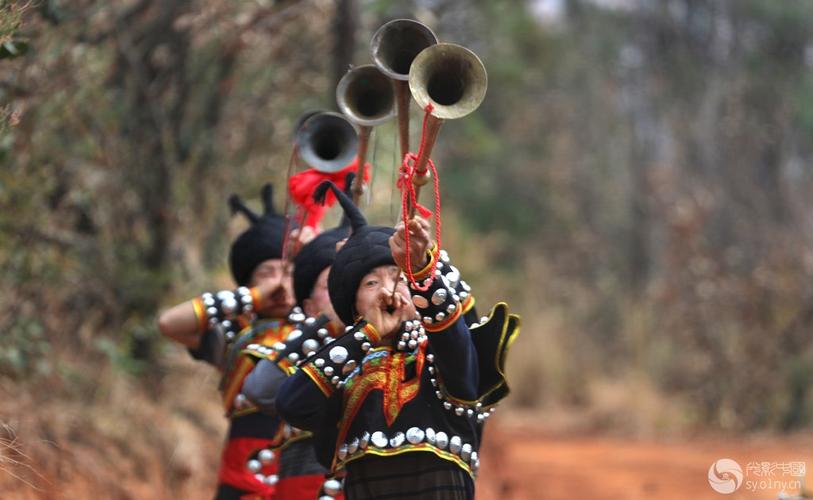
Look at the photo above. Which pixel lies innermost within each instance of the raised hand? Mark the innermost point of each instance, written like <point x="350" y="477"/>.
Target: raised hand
<point x="419" y="242"/>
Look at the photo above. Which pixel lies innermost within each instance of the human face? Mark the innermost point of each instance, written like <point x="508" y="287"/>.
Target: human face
<point x="273" y="279"/>
<point x="319" y="300"/>
<point x="372" y="296"/>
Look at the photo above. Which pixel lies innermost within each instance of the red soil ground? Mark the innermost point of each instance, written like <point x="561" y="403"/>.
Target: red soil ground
<point x="520" y="462"/>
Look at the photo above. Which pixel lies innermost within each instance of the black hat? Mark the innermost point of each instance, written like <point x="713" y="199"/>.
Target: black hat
<point x="318" y="254"/>
<point x="260" y="242"/>
<point x="367" y="248"/>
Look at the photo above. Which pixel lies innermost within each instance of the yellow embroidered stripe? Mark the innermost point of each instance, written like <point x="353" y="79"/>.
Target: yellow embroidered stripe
<point x="468" y="304"/>
<point x="200" y="314"/>
<point x="317" y="377"/>
<point x="286" y="366"/>
<point x="255" y="297"/>
<point x="433" y="254"/>
<point x="236" y="382"/>
<point x="436" y="327"/>
<point x="371" y="333"/>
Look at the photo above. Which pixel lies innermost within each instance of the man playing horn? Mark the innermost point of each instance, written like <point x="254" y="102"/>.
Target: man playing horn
<point x="216" y="327"/>
<point x="398" y="400"/>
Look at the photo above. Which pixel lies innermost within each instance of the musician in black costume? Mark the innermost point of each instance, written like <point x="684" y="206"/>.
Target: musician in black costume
<point x="397" y="401"/>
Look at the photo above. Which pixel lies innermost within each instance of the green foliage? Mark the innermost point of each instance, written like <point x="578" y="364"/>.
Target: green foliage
<point x="26" y="350"/>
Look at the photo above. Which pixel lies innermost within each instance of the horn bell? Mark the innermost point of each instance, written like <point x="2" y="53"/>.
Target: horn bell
<point x="365" y="95"/>
<point x="450" y="77"/>
<point x="327" y="142"/>
<point x="396" y="44"/>
<point x="304" y="117"/>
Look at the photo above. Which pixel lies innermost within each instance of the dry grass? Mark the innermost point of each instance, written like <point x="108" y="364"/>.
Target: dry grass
<point x="115" y="438"/>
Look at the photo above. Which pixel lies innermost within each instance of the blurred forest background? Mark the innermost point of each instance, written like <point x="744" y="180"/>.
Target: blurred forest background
<point x="636" y="184"/>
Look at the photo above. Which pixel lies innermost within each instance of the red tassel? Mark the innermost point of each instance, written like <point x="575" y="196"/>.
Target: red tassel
<point x="302" y="185"/>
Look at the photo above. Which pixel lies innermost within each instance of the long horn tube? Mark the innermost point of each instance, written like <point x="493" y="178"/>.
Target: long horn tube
<point x="366" y="97"/>
<point x="454" y="81"/>
<point x="393" y="47"/>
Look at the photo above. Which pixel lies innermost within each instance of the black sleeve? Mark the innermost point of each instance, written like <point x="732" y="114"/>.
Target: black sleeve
<point x="211" y="348"/>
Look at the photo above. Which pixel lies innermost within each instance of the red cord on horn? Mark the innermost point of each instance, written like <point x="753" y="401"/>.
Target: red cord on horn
<point x="407" y="187"/>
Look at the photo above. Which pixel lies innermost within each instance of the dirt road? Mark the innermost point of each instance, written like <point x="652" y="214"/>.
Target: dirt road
<point x="524" y="463"/>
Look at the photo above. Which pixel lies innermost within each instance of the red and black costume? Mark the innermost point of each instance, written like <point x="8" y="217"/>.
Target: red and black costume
<point x="302" y="475"/>
<point x="405" y="418"/>
<point x="250" y="459"/>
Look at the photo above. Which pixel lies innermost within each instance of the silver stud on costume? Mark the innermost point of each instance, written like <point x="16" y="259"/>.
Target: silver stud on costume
<point x="271" y="480"/>
<point x="465" y="452"/>
<point x="440" y="316"/>
<point x="266" y="456"/>
<point x="342" y="452"/>
<point x="310" y="346"/>
<point x="310" y="321"/>
<point x="415" y="435"/>
<point x="397" y="440"/>
<point x="322" y="333"/>
<point x="441" y="440"/>
<point x="332" y="487"/>
<point x="455" y="444"/>
<point x="439" y="297"/>
<point x="364" y="441"/>
<point x="338" y="354"/>
<point x="293" y="357"/>
<point x="379" y="439"/>
<point x="254" y="465"/>
<point x="358" y="336"/>
<point x="295" y="334"/>
<point x="329" y="371"/>
<point x="229" y="305"/>
<point x="319" y="362"/>
<point x="430" y="436"/>
<point x="353" y="446"/>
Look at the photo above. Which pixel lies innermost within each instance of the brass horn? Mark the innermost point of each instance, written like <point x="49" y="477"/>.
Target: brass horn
<point x="451" y="78"/>
<point x="393" y="47"/>
<point x="327" y="142"/>
<point x="366" y="97"/>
